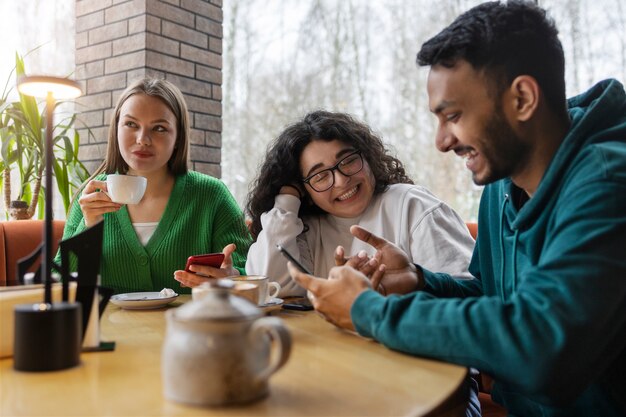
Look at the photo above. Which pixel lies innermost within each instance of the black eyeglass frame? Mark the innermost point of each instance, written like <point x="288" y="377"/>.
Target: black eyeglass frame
<point x="332" y="170"/>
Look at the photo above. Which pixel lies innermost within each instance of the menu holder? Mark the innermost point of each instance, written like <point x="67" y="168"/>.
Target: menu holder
<point x="85" y="251"/>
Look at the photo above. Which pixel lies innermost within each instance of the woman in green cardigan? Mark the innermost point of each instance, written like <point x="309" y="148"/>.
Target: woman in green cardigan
<point x="182" y="212"/>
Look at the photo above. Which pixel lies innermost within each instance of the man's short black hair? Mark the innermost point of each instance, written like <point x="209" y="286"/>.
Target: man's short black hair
<point x="504" y="40"/>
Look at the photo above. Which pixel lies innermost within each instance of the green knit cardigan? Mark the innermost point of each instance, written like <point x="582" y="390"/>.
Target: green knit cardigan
<point x="201" y="216"/>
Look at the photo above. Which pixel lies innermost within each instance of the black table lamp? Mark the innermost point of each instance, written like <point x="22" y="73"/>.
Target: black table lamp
<point x="48" y="335"/>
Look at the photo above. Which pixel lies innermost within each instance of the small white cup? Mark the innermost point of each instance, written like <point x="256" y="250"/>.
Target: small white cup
<point x="247" y="290"/>
<point x="126" y="189"/>
<point x="267" y="289"/>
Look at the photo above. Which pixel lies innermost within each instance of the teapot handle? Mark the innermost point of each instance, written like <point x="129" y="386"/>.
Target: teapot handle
<point x="280" y="338"/>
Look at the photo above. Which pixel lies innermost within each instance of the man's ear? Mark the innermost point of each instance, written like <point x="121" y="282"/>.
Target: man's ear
<point x="525" y="93"/>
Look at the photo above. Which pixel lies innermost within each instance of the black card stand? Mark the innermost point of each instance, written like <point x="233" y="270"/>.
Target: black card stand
<point x="87" y="249"/>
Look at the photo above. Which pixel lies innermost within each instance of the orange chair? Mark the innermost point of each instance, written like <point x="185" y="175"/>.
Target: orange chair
<point x="19" y="238"/>
<point x="488" y="408"/>
<point x="473" y="229"/>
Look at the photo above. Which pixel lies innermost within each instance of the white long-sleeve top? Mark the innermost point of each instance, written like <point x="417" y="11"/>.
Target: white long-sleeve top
<point x="428" y="230"/>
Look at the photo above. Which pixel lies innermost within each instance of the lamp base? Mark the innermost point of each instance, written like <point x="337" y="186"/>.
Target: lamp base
<point x="47" y="336"/>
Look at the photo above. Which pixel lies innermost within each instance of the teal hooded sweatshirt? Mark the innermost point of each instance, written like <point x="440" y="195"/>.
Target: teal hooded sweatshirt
<point x="546" y="314"/>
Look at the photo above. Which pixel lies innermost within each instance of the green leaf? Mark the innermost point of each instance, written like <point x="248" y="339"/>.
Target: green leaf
<point x="41" y="204"/>
<point x="63" y="186"/>
<point x="22" y="149"/>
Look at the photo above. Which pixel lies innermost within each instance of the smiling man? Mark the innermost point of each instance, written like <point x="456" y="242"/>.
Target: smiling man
<point x="546" y="316"/>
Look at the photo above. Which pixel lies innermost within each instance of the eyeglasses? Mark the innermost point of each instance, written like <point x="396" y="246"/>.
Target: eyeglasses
<point x="325" y="179"/>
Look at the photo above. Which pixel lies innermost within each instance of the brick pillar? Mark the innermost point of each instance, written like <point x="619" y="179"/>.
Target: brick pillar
<point x="119" y="41"/>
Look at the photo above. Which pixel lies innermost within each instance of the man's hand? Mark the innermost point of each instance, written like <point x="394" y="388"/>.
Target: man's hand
<point x="400" y="275"/>
<point x="333" y="297"/>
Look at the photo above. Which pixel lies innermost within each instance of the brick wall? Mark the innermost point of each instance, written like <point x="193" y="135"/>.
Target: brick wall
<point x="119" y="41"/>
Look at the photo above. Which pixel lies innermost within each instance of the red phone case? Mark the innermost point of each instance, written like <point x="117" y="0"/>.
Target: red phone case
<point x="212" y="259"/>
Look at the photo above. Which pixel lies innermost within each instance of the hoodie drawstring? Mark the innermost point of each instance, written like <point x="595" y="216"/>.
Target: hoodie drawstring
<point x="514" y="259"/>
<point x="504" y="203"/>
<point x="515" y="238"/>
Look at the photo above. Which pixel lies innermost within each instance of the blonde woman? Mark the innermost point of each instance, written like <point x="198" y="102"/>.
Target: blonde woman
<point x="182" y="212"/>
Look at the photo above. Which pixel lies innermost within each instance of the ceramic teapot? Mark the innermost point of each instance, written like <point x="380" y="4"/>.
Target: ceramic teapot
<point x="217" y="350"/>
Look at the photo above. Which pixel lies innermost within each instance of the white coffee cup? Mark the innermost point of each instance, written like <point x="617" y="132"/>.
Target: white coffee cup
<point x="126" y="189"/>
<point x="267" y="289"/>
<point x="247" y="290"/>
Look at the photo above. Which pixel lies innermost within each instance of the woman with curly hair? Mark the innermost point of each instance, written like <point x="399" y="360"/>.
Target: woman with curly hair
<point x="327" y="172"/>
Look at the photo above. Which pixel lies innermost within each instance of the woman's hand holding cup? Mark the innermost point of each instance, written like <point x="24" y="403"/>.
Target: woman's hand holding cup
<point x="94" y="202"/>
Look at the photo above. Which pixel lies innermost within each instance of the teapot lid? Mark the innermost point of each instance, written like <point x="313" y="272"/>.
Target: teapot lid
<point x="217" y="303"/>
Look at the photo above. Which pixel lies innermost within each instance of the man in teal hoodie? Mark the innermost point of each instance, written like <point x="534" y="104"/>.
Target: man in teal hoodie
<point x="546" y="314"/>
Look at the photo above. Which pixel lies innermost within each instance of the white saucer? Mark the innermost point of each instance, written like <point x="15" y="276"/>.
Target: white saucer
<point x="141" y="300"/>
<point x="272" y="304"/>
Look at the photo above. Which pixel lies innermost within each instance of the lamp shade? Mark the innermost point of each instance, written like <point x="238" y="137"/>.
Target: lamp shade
<point x="41" y="85"/>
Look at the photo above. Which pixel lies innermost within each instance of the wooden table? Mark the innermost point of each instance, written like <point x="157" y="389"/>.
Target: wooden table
<point x="330" y="373"/>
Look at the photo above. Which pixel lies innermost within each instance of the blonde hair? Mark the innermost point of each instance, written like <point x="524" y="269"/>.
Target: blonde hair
<point x="173" y="98"/>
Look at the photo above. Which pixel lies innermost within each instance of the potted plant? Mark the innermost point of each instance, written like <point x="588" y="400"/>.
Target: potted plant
<point x="22" y="135"/>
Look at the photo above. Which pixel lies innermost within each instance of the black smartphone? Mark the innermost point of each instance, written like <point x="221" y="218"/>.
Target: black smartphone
<point x="293" y="260"/>
<point x="300" y="303"/>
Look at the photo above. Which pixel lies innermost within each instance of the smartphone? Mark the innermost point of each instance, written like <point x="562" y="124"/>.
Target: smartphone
<point x="211" y="259"/>
<point x="300" y="303"/>
<point x="293" y="260"/>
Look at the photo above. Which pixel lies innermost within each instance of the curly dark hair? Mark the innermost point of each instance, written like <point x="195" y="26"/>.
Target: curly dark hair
<point x="282" y="160"/>
<point x="505" y="40"/>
